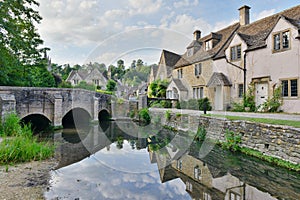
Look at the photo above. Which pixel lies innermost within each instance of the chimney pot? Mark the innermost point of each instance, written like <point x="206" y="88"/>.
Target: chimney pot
<point x="197" y="34"/>
<point x="244" y="15"/>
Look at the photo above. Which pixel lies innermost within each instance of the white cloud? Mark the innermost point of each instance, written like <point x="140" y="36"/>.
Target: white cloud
<point x="263" y="14"/>
<point x="144" y="6"/>
<point x="185" y="3"/>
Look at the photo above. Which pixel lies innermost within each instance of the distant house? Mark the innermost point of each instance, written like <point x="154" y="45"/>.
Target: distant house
<point x="93" y="76"/>
<point x="153" y="73"/>
<point x="223" y="64"/>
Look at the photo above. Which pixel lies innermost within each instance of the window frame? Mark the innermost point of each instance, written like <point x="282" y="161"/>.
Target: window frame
<point x="281" y="41"/>
<point x="208" y="45"/>
<point x="198" y="69"/>
<point x="236" y="56"/>
<point x="198" y="92"/>
<point x="288" y="86"/>
<point x="179" y="73"/>
<point x="240" y="90"/>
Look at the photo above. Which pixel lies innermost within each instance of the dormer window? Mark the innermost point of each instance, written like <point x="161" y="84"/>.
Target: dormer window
<point x="281" y="41"/>
<point x="208" y="45"/>
<point x="190" y="52"/>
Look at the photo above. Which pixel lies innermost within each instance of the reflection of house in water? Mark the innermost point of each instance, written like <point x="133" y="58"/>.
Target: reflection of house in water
<point x="218" y="176"/>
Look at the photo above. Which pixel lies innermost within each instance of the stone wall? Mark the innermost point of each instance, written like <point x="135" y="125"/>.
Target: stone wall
<point x="274" y="140"/>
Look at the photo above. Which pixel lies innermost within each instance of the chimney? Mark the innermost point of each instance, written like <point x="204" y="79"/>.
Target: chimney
<point x="197" y="35"/>
<point x="244" y="15"/>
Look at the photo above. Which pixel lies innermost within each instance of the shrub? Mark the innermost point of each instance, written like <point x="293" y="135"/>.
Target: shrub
<point x="274" y="103"/>
<point x="168" y="115"/>
<point x="144" y="116"/>
<point x="232" y="141"/>
<point x="193" y="104"/>
<point x="201" y="134"/>
<point x="86" y="86"/>
<point x="238" y="107"/>
<point x="204" y="101"/>
<point x="166" y="104"/>
<point x="132" y="114"/>
<point x="178" y="105"/>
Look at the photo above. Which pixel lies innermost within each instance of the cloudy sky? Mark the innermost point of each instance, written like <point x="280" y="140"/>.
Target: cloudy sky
<point x="80" y="31"/>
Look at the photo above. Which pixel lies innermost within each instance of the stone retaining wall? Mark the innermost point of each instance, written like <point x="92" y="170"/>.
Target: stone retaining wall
<point x="274" y="140"/>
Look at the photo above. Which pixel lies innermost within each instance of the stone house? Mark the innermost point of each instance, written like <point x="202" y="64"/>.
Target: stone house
<point x="93" y="76"/>
<point x="223" y="64"/>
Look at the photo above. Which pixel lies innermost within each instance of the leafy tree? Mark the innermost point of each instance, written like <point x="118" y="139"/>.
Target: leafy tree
<point x="20" y="52"/>
<point x="158" y="88"/>
<point x="111" y="85"/>
<point x="133" y="64"/>
<point x="86" y="86"/>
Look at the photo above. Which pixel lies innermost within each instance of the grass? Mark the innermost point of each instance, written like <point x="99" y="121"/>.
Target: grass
<point x="292" y="123"/>
<point x="19" y="144"/>
<point x="277" y="161"/>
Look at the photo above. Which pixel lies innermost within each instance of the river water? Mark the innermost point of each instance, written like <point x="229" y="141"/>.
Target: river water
<point x="120" y="161"/>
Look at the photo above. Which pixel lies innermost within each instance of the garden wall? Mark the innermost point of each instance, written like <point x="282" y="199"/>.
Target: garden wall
<point x="274" y="140"/>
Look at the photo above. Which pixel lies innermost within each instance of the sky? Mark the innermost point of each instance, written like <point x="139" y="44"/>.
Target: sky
<point x="104" y="31"/>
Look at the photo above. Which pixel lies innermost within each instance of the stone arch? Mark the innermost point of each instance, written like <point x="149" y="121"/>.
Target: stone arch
<point x="38" y="121"/>
<point x="76" y="117"/>
<point x="104" y="115"/>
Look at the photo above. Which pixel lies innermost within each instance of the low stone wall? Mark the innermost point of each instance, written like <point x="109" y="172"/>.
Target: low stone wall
<point x="274" y="140"/>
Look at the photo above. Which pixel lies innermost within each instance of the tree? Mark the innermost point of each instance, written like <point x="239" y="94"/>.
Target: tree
<point x="139" y="63"/>
<point x="111" y="85"/>
<point x="158" y="88"/>
<point x="20" y="51"/>
<point x="133" y="64"/>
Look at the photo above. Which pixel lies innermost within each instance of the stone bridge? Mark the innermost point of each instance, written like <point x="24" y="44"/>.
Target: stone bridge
<point x="54" y="104"/>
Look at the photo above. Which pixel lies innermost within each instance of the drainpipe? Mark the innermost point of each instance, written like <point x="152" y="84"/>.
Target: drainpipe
<point x="243" y="69"/>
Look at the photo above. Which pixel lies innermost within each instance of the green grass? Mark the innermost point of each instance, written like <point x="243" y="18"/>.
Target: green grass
<point x="261" y="120"/>
<point x="277" y="161"/>
<point x="19" y="144"/>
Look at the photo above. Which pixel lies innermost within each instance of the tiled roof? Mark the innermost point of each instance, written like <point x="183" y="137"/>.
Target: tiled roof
<point x="255" y="34"/>
<point x="171" y="59"/>
<point x="218" y="79"/>
<point x="223" y="36"/>
<point x="180" y="85"/>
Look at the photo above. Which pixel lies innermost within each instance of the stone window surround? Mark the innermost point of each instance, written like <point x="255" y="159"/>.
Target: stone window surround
<point x="180" y="73"/>
<point x="198" y="69"/>
<point x="236" y="196"/>
<point x="199" y="89"/>
<point x="237" y="58"/>
<point x="239" y="91"/>
<point x="289" y="97"/>
<point x="281" y="48"/>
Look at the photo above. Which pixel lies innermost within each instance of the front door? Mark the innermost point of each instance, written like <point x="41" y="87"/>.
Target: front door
<point x="218" y="98"/>
<point x="261" y="93"/>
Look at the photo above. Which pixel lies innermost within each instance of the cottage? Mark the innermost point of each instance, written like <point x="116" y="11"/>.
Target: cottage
<point x="222" y="65"/>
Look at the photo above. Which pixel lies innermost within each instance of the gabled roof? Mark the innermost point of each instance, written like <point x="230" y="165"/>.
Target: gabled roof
<point x="256" y="33"/>
<point x="170" y="60"/>
<point x="179" y="85"/>
<point x="222" y="35"/>
<point x="218" y="79"/>
<point x="154" y="68"/>
<point x="195" y="43"/>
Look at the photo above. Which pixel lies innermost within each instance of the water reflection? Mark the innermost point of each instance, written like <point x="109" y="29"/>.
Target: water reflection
<point x="107" y="163"/>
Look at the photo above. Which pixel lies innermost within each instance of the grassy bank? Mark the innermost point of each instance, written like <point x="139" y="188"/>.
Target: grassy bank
<point x="19" y="144"/>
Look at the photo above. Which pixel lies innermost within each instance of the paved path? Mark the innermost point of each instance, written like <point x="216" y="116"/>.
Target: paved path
<point x="283" y="116"/>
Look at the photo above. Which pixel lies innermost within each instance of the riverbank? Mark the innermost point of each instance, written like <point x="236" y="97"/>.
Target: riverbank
<point x="26" y="181"/>
<point x="274" y="141"/>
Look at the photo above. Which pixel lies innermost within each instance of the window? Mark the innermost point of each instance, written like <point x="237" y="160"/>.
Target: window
<point x="198" y="69"/>
<point x="235" y="52"/>
<point x="75" y="81"/>
<point x="240" y="90"/>
<point x="190" y="52"/>
<point x="234" y="196"/>
<point x="189" y="186"/>
<point x="208" y="45"/>
<point x="179" y="165"/>
<point x="96" y="82"/>
<point x="206" y="196"/>
<point x="198" y="93"/>
<point x="179" y="71"/>
<point x="281" y="41"/>
<point x="197" y="172"/>
<point x="289" y="88"/>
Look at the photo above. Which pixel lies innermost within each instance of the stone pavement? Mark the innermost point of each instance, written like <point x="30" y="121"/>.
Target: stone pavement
<point x="282" y="116"/>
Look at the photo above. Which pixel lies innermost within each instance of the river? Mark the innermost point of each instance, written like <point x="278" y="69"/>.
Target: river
<point x="118" y="161"/>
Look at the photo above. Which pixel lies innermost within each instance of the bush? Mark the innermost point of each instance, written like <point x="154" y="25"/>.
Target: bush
<point x="238" y="107"/>
<point x="86" y="86"/>
<point x="65" y="84"/>
<point x="144" y="116"/>
<point x="166" y="104"/>
<point x="204" y="102"/>
<point x="232" y="141"/>
<point x="274" y="103"/>
<point x="168" y="115"/>
<point x="201" y="134"/>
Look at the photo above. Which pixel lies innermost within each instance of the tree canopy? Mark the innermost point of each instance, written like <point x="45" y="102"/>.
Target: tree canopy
<point x="21" y="58"/>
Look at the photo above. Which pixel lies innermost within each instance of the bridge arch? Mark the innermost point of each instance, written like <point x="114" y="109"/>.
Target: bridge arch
<point x="38" y="121"/>
<point x="76" y="117"/>
<point x="103" y="115"/>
